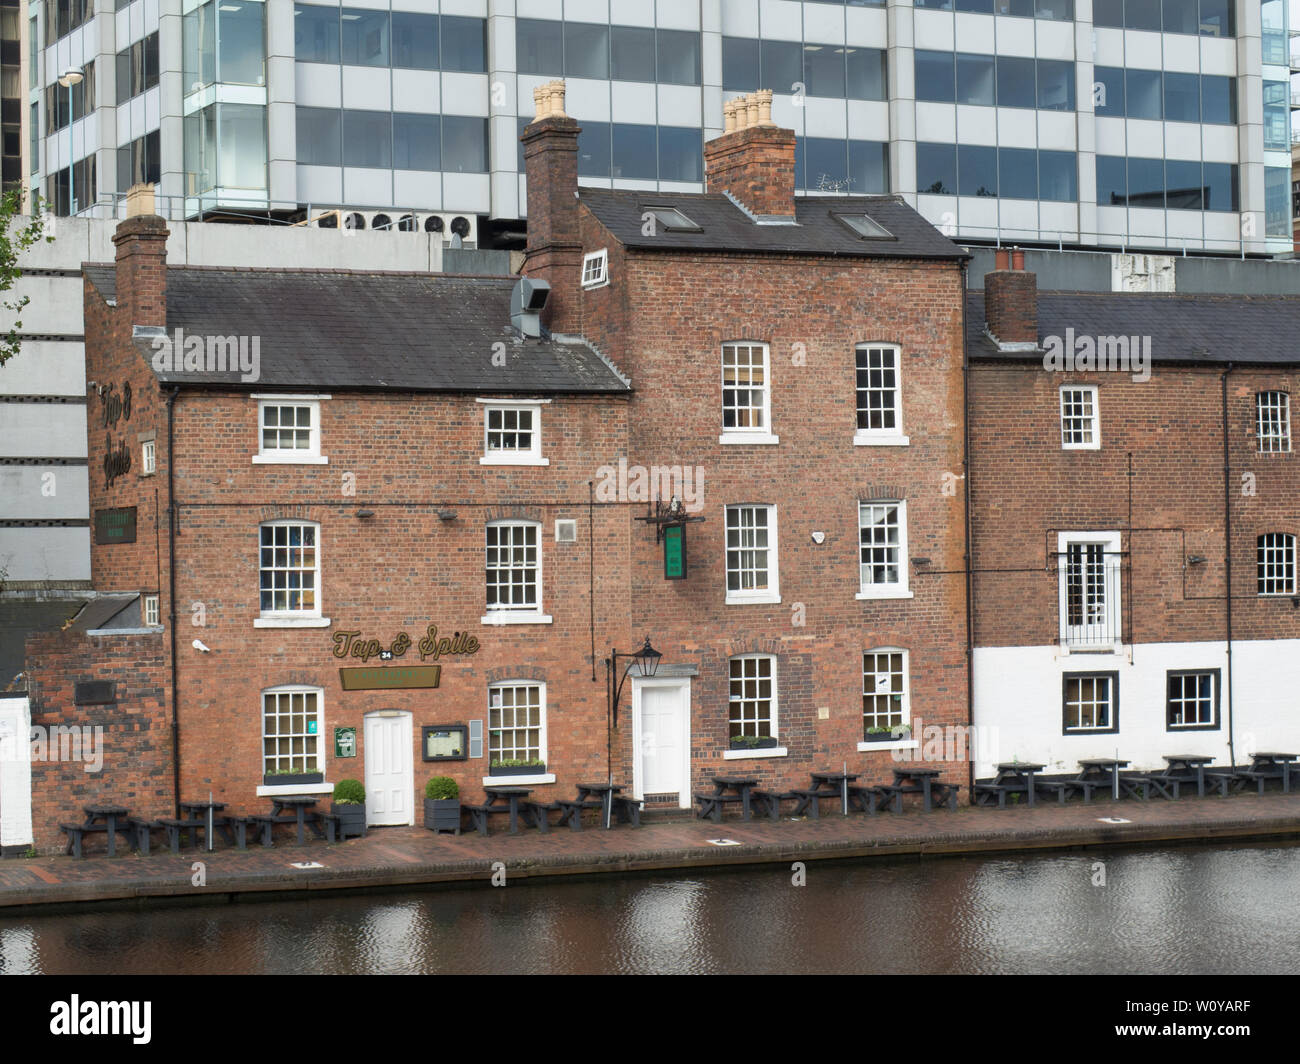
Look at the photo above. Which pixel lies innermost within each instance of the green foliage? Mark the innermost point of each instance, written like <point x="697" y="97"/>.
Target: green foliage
<point x="296" y="769"/>
<point x="441" y="788"/>
<point x="349" y="792"/>
<point x="511" y="762"/>
<point x="30" y="852"/>
<point x="14" y="241"/>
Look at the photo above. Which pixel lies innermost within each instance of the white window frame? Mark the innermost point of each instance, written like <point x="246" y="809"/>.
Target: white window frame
<point x="1095" y="418"/>
<point x="530" y="457"/>
<point x="311" y="618"/>
<point x="869" y="437"/>
<point x="510" y="614"/>
<point x="595" y="269"/>
<point x="273" y="789"/>
<point x="543" y="737"/>
<point x="148" y="607"/>
<point x="1092" y="637"/>
<point x="771" y="593"/>
<point x="774" y="712"/>
<point x="286" y="456"/>
<point x="893" y="743"/>
<point x="1282" y="402"/>
<point x="148" y="458"/>
<point x="759" y="435"/>
<point x="1183" y="674"/>
<point x="900" y="590"/>
<point x="1289" y="541"/>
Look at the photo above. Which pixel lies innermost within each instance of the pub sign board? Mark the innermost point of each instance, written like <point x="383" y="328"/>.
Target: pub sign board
<point x="115" y="526"/>
<point x="390" y="678"/>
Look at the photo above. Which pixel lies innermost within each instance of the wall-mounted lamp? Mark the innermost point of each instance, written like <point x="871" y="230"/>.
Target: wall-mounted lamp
<point x="365" y="513"/>
<point x="1196" y="559"/>
<point x="446" y="515"/>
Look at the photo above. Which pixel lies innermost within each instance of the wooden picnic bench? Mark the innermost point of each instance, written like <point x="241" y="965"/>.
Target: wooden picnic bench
<point x="711" y="805"/>
<point x="77" y="832"/>
<point x="940" y="793"/>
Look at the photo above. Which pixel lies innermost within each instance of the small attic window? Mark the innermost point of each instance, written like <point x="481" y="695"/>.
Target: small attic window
<point x="595" y="268"/>
<point x="671" y="219"/>
<point x="866" y="228"/>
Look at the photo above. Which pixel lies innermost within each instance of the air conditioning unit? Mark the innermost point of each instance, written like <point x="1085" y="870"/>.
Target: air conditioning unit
<point x="444" y="224"/>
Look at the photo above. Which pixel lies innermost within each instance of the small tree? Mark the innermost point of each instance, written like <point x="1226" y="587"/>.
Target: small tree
<point x="13" y="242"/>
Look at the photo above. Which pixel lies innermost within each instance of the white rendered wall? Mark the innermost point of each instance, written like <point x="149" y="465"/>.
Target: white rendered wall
<point x="1018" y="703"/>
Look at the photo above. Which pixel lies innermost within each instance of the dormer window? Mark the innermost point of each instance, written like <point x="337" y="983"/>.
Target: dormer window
<point x="595" y="269"/>
<point x="866" y="228"/>
<point x="671" y="220"/>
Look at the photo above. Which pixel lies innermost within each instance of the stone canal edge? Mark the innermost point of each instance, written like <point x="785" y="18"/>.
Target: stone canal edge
<point x="410" y="857"/>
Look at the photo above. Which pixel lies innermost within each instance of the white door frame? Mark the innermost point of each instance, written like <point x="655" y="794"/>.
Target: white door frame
<point x="15" y="772"/>
<point x="408" y="747"/>
<point x="639" y="684"/>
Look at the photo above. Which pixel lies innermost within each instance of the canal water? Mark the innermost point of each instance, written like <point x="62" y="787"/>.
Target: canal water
<point x="1183" y="910"/>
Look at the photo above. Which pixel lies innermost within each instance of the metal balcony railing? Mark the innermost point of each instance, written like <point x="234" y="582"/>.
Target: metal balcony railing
<point x="1091" y="617"/>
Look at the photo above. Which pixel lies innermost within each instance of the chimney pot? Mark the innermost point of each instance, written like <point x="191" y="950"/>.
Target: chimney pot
<point x="1017" y="259"/>
<point x="1002" y="259"/>
<point x="140" y="201"/>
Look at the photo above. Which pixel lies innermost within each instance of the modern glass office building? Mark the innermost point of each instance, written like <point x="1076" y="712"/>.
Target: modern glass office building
<point x="1115" y="123"/>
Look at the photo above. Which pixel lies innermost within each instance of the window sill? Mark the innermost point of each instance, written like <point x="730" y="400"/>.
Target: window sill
<point x="290" y="459"/>
<point x="275" y="790"/>
<point x="739" y="439"/>
<point x="291" y="622"/>
<point x="510" y="781"/>
<point x="754" y="600"/>
<point x="514" y="460"/>
<point x="1103" y="648"/>
<point x="515" y="618"/>
<point x="884" y="593"/>
<point x="864" y="439"/>
<point x="901" y="744"/>
<point x="1081" y="446"/>
<point x="752" y="755"/>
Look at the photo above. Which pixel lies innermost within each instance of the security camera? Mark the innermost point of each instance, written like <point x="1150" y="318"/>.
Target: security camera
<point x="198" y="645"/>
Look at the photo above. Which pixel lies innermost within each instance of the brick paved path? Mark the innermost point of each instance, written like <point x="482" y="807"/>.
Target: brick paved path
<point x="412" y="856"/>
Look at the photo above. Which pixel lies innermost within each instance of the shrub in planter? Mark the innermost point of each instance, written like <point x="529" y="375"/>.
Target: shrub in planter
<point x="442" y="805"/>
<point x="515" y="767"/>
<point x="889" y="735"/>
<point x="350" y="807"/>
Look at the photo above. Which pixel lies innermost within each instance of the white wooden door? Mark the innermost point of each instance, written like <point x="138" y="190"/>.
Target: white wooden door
<point x="390" y="779"/>
<point x="15" y="772"/>
<point x="661" y="738"/>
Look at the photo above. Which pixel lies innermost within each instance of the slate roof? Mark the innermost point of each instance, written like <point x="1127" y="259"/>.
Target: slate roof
<point x="724" y="226"/>
<point x="1183" y="328"/>
<point x="323" y="329"/>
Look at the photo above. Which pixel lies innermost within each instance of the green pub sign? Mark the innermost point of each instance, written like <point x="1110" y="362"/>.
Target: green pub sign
<point x="345" y="742"/>
<point x="675" y="552"/>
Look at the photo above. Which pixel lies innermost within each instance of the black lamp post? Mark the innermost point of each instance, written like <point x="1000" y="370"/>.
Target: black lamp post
<point x="648" y="659"/>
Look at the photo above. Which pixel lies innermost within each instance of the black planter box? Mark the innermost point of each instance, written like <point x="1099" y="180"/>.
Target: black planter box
<point x="352" y="819"/>
<point x="765" y="742"/>
<point x="516" y="770"/>
<point x="886" y="737"/>
<point x="442" y="814"/>
<point x="293" y="779"/>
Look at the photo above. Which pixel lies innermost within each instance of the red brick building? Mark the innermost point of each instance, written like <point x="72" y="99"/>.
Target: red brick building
<point x="1110" y="518"/>
<point x="330" y="485"/>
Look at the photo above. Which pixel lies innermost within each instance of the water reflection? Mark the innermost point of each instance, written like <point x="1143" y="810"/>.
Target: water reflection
<point x="1187" y="911"/>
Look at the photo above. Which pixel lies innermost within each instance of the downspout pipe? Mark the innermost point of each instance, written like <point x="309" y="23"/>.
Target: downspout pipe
<point x="171" y="600"/>
<point x="1227" y="554"/>
<point x="969" y="559"/>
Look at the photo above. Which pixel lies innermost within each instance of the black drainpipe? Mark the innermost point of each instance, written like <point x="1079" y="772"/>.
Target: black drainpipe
<point x="171" y="596"/>
<point x="1227" y="552"/>
<point x="970" y="561"/>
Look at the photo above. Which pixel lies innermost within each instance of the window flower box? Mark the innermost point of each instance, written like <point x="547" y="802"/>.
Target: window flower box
<point x="888" y="735"/>
<point x="516" y="768"/>
<point x="292" y="779"/>
<point x="754" y="742"/>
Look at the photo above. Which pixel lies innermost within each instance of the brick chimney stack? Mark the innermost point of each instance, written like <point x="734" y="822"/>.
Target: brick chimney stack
<point x="1011" y="299"/>
<point x="554" y="250"/>
<point x="141" y="242"/>
<point x="754" y="158"/>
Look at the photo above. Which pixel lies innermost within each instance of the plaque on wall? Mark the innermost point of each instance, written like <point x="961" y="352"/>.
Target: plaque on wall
<point x="115" y="526"/>
<point x="94" y="693"/>
<point x="444" y="742"/>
